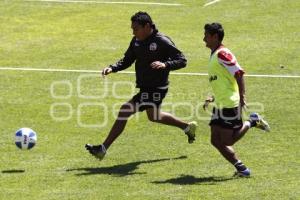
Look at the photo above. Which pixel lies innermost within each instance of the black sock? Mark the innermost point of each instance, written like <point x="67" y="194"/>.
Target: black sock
<point x="240" y="166"/>
<point x="252" y="123"/>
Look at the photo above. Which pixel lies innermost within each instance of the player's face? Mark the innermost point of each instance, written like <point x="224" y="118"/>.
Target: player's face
<point x="210" y="40"/>
<point x="207" y="39"/>
<point x="140" y="32"/>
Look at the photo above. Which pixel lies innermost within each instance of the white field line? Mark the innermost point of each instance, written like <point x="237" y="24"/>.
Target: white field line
<point x="107" y="2"/>
<point x="131" y="72"/>
<point x="210" y="3"/>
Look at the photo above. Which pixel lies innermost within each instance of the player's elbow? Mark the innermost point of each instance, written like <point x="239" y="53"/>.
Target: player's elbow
<point x="182" y="63"/>
<point x="239" y="74"/>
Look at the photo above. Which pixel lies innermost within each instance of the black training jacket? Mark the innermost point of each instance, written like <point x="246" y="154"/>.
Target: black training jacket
<point x="156" y="47"/>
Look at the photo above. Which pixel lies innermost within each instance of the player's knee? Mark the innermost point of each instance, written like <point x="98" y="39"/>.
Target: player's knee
<point x="215" y="143"/>
<point x="153" y="115"/>
<point x="153" y="118"/>
<point x="126" y="110"/>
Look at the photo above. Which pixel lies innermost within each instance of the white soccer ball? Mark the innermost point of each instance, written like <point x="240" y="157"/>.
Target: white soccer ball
<point x="25" y="138"/>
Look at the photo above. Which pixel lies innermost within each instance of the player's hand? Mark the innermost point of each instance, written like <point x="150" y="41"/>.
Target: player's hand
<point x="158" y="65"/>
<point x="106" y="71"/>
<point x="207" y="101"/>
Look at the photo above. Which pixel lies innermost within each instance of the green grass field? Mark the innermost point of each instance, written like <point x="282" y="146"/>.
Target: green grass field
<point x="149" y="161"/>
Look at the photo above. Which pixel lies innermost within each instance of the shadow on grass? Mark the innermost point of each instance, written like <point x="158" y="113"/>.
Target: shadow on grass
<point x="191" y="180"/>
<point x="13" y="171"/>
<point x="121" y="170"/>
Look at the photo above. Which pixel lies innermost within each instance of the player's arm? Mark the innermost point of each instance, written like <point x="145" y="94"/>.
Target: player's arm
<point x="124" y="63"/>
<point x="177" y="59"/>
<point x="241" y="84"/>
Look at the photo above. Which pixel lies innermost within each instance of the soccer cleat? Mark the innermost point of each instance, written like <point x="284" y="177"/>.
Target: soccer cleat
<point x="245" y="173"/>
<point x="260" y="122"/>
<point x="192" y="126"/>
<point x="98" y="151"/>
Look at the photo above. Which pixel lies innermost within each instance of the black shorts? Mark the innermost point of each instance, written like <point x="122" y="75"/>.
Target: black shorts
<point x="227" y="118"/>
<point x="149" y="98"/>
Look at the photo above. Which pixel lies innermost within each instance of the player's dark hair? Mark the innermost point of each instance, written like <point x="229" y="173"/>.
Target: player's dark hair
<point x="215" y="28"/>
<point x="142" y="18"/>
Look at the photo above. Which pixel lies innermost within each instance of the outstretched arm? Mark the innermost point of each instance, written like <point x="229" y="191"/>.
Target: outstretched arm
<point x="124" y="63"/>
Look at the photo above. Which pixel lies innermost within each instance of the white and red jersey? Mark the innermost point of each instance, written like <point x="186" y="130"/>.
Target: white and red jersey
<point x="228" y="60"/>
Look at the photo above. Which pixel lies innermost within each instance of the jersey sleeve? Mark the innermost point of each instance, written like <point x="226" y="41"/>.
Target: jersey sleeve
<point x="228" y="60"/>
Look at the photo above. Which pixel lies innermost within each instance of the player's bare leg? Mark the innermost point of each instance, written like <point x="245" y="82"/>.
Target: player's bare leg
<point x="238" y="134"/>
<point x="156" y="115"/>
<point x="125" y="112"/>
<point x="222" y="139"/>
<point x="255" y="120"/>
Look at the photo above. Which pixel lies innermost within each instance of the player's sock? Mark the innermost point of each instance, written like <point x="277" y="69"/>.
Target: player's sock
<point x="187" y="129"/>
<point x="239" y="165"/>
<point x="103" y="148"/>
<point x="250" y="123"/>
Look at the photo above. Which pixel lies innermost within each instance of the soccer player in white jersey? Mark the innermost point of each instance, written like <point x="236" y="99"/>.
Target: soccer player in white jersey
<point x="227" y="82"/>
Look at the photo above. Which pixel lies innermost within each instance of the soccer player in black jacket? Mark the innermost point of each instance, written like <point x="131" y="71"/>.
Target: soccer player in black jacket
<point x="155" y="55"/>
